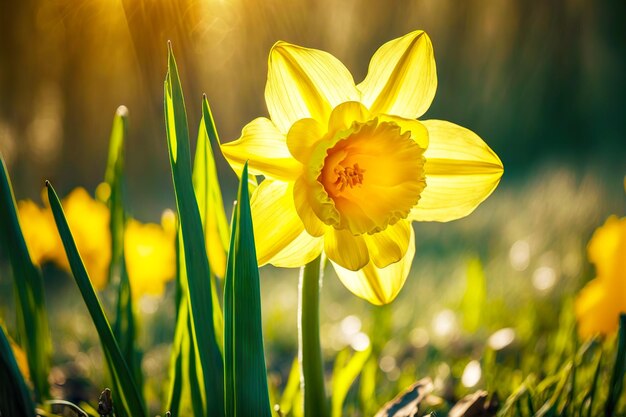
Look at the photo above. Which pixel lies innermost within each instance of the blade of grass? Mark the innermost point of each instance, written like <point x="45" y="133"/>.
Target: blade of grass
<point x="344" y="376"/>
<point x="114" y="178"/>
<point x="33" y="330"/>
<point x="127" y="394"/>
<point x="14" y="396"/>
<point x="199" y="291"/>
<point x="245" y="371"/>
<point x="207" y="188"/>
<point x="516" y="396"/>
<point x="124" y="327"/>
<point x="213" y="217"/>
<point x="185" y="396"/>
<point x="616" y="385"/>
<point x="549" y="408"/>
<point x="367" y="386"/>
<point x="287" y="400"/>
<point x="594" y="385"/>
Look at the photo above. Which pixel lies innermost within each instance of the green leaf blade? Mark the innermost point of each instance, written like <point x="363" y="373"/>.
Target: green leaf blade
<point x="14" y="396"/>
<point x="30" y="303"/>
<point x="344" y="377"/>
<point x="186" y="397"/>
<point x="127" y="392"/>
<point x="124" y="327"/>
<point x="616" y="386"/>
<point x="246" y="374"/>
<point x="199" y="291"/>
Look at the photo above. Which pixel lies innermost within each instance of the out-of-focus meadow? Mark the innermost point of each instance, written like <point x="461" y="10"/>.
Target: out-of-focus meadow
<point x="541" y="82"/>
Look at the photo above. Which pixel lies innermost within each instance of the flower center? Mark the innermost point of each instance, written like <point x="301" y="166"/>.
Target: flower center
<point x="348" y="176"/>
<point x="373" y="174"/>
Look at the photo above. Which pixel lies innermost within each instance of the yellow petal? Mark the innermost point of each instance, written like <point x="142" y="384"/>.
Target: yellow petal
<point x="606" y="251"/>
<point x="150" y="256"/>
<point x="379" y="285"/>
<point x="389" y="245"/>
<point x="20" y="358"/>
<point x="597" y="308"/>
<point x="89" y="222"/>
<point x="303" y="136"/>
<point x="419" y="133"/>
<point x="300" y="252"/>
<point x="345" y="249"/>
<point x="402" y="77"/>
<point x="39" y="231"/>
<point x="303" y="82"/>
<point x="302" y="194"/>
<point x="461" y="172"/>
<point x="274" y="218"/>
<point x="266" y="150"/>
<point x="346" y="114"/>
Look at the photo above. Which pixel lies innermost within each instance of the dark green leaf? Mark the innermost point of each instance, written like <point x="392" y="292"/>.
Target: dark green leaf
<point x="199" y="293"/>
<point x="14" y="396"/>
<point x="30" y="304"/>
<point x="616" y="387"/>
<point x="185" y="396"/>
<point x="209" y="197"/>
<point x="245" y="372"/>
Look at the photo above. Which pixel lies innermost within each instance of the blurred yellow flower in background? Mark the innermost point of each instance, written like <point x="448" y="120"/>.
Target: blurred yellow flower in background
<point x="20" y="358"/>
<point x="149" y="248"/>
<point x="348" y="167"/>
<point x="40" y="234"/>
<point x="89" y="222"/>
<point x="150" y="256"/>
<point x="601" y="301"/>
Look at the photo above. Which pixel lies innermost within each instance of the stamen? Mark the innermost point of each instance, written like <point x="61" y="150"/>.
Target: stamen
<point x="348" y="176"/>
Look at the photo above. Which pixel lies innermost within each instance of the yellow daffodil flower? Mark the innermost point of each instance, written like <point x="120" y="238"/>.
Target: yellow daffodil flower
<point x="601" y="301"/>
<point x="348" y="167"/>
<point x="149" y="248"/>
<point x="89" y="222"/>
<point x="150" y="257"/>
<point x="39" y="231"/>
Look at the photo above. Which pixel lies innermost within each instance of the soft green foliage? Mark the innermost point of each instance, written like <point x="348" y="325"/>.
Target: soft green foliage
<point x="616" y="386"/>
<point x="580" y="386"/>
<point x="31" y="307"/>
<point x="199" y="289"/>
<point x="474" y="298"/>
<point x="291" y="394"/>
<point x="244" y="357"/>
<point x="127" y="394"/>
<point x="14" y="396"/>
<point x="346" y="370"/>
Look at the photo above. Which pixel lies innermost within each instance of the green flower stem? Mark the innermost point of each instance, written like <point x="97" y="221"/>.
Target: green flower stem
<point x="309" y="348"/>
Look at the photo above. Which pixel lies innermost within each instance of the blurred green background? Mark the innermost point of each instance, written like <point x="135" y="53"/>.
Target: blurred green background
<point x="542" y="82"/>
